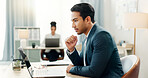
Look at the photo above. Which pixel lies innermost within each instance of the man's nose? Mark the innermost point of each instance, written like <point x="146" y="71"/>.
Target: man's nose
<point x="73" y="25"/>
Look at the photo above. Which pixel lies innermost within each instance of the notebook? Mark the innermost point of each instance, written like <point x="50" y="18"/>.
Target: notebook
<point x="41" y="73"/>
<point x="52" y="42"/>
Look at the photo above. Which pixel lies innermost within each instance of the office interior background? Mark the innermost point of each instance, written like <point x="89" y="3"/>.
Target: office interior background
<point x="39" y="13"/>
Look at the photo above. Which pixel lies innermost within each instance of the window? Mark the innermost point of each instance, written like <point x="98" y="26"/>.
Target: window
<point x="122" y="7"/>
<point x="55" y="10"/>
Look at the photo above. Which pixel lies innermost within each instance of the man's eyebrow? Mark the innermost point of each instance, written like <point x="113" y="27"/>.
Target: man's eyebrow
<point x="74" y="19"/>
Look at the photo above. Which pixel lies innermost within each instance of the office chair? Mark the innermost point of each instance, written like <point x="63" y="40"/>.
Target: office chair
<point x="61" y="55"/>
<point x="131" y="66"/>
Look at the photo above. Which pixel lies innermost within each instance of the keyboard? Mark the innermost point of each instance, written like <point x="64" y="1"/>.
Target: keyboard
<point x="47" y="72"/>
<point x="41" y="72"/>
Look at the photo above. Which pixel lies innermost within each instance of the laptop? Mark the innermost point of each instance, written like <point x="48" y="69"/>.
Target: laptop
<point x="52" y="42"/>
<point x="41" y="73"/>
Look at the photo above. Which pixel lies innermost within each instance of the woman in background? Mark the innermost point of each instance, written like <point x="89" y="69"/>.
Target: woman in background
<point x="51" y="55"/>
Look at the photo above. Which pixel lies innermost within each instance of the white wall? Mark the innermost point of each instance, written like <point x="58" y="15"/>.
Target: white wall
<point x="127" y="35"/>
<point x="142" y="42"/>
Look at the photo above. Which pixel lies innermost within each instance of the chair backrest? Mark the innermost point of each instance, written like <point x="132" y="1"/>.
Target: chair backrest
<point x="130" y="65"/>
<point x="61" y="55"/>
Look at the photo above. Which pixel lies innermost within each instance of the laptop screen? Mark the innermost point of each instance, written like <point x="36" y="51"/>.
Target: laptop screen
<point x="52" y="42"/>
<point x="24" y="57"/>
<point x="26" y="61"/>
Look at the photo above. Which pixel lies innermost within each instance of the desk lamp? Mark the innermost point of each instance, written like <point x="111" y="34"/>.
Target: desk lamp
<point x="134" y="21"/>
<point x="23" y="35"/>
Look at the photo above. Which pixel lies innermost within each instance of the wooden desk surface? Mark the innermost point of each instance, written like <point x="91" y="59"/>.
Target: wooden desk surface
<point x="40" y="48"/>
<point x="25" y="74"/>
<point x="127" y="48"/>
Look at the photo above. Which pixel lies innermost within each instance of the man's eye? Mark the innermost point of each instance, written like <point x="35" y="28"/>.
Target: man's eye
<point x="75" y="20"/>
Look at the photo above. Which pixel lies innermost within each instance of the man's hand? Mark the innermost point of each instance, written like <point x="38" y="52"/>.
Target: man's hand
<point x="69" y="67"/>
<point x="71" y="42"/>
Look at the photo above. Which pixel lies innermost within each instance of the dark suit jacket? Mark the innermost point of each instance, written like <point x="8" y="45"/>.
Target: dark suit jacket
<point x="102" y="58"/>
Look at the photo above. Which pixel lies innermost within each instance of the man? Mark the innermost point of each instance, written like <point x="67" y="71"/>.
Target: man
<point x="51" y="55"/>
<point x="99" y="57"/>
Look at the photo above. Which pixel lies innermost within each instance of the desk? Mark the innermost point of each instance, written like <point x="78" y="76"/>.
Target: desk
<point x="25" y="74"/>
<point x="45" y="48"/>
<point x="41" y="48"/>
<point x="123" y="50"/>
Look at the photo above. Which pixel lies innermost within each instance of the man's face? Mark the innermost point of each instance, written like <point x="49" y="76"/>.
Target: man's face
<point x="78" y="23"/>
<point x="53" y="29"/>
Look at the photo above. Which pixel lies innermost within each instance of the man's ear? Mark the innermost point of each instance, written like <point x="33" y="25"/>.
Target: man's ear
<point x="88" y="19"/>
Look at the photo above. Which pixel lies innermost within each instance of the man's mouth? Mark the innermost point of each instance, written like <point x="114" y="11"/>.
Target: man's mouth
<point x="76" y="29"/>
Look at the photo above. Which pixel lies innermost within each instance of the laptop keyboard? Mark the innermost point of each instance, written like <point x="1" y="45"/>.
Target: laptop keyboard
<point x="41" y="72"/>
<point x="45" y="72"/>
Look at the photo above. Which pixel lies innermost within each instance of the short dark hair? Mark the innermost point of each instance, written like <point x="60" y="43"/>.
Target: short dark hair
<point x="85" y="10"/>
<point x="53" y="24"/>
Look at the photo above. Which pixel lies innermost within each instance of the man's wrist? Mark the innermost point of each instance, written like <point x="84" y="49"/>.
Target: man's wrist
<point x="71" y="70"/>
<point x="71" y="50"/>
<point x="69" y="53"/>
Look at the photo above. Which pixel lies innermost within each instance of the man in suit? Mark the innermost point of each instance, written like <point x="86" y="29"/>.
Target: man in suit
<point x="99" y="57"/>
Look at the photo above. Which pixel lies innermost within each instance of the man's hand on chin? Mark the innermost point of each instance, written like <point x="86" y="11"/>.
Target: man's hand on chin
<point x="69" y="67"/>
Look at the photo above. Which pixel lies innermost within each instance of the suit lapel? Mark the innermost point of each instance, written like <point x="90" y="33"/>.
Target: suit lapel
<point x="88" y="40"/>
<point x="91" y="34"/>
